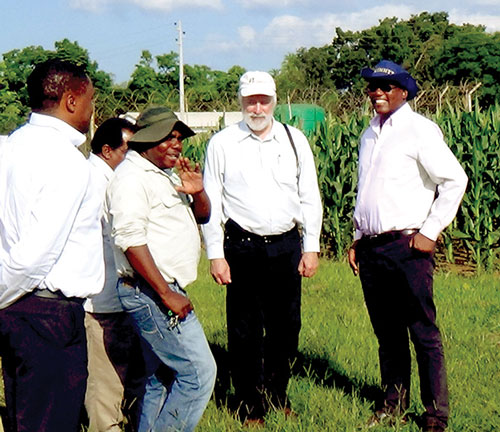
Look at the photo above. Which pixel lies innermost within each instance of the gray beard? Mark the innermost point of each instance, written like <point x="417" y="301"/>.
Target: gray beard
<point x="257" y="124"/>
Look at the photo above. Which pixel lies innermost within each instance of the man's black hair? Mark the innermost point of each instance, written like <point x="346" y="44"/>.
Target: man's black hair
<point x="50" y="79"/>
<point x="111" y="133"/>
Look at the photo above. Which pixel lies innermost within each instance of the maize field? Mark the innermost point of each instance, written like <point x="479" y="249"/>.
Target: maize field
<point x="474" y="137"/>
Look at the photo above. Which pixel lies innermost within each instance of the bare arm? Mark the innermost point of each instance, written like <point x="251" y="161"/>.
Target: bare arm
<point x="142" y="261"/>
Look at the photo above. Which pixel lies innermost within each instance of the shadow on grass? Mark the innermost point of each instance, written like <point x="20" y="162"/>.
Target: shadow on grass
<point x="322" y="372"/>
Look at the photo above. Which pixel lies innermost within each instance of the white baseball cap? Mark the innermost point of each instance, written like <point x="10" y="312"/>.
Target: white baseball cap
<point x="256" y="83"/>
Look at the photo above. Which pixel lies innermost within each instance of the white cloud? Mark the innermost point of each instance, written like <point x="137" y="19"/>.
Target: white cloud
<point x="167" y="5"/>
<point x="284" y="34"/>
<point x="491" y="22"/>
<point x="294" y="32"/>
<point x="488" y="2"/>
<point x="160" y="5"/>
<point x="89" y="5"/>
<point x="274" y="4"/>
<point x="247" y="35"/>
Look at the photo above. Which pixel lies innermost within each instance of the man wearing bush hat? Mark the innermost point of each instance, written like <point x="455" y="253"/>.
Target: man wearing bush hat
<point x="263" y="186"/>
<point x="154" y="214"/>
<point x="409" y="188"/>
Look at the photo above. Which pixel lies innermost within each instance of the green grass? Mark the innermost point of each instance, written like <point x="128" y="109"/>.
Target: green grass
<point x="336" y="376"/>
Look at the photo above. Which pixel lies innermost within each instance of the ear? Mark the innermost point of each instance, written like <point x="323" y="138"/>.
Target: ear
<point x="405" y="94"/>
<point x="106" y="151"/>
<point x="69" y="101"/>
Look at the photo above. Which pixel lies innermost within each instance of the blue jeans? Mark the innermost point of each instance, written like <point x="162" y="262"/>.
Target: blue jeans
<point x="176" y="404"/>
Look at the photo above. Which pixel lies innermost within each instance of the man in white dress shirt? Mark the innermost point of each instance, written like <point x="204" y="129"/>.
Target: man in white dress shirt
<point x="409" y="188"/>
<point x="51" y="252"/>
<point x="263" y="187"/>
<point x="115" y="359"/>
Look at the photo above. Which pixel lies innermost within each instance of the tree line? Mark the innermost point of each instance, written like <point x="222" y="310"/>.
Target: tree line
<point x="441" y="55"/>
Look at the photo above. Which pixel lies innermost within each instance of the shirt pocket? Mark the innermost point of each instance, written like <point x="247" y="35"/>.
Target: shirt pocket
<point x="286" y="170"/>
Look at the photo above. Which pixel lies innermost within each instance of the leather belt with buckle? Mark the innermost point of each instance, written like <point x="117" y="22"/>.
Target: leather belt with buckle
<point x="55" y="295"/>
<point x="388" y="236"/>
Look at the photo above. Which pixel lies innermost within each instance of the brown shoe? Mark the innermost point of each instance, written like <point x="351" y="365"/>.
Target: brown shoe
<point x="254" y="423"/>
<point x="289" y="413"/>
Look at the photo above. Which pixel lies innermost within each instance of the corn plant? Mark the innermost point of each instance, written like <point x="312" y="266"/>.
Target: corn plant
<point x="335" y="146"/>
<point x="474" y="138"/>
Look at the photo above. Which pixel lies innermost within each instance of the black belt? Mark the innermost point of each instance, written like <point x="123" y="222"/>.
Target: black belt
<point x="234" y="231"/>
<point x="55" y="295"/>
<point x="388" y="236"/>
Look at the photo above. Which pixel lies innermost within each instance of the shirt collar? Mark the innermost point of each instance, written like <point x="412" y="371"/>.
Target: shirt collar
<point x="245" y="132"/>
<point x="397" y="116"/>
<point x="44" y="120"/>
<point x="101" y="164"/>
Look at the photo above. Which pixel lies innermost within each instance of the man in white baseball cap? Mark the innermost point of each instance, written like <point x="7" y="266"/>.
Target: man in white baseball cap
<point x="261" y="179"/>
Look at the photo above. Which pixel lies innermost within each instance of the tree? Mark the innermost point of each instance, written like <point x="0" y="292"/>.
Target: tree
<point x="427" y="45"/>
<point x="471" y="55"/>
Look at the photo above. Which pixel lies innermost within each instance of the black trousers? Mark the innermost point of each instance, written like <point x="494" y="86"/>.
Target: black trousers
<point x="44" y="361"/>
<point x="263" y="316"/>
<point x="397" y="284"/>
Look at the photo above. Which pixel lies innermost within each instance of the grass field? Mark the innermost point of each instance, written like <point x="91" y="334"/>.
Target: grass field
<point x="336" y="378"/>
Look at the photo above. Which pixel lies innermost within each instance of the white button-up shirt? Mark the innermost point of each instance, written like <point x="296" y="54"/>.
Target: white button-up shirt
<point x="145" y="209"/>
<point x="408" y="177"/>
<point x="260" y="184"/>
<point x="50" y="225"/>
<point x="107" y="300"/>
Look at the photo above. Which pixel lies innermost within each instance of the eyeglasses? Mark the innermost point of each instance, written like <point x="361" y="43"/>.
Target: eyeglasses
<point x="384" y="86"/>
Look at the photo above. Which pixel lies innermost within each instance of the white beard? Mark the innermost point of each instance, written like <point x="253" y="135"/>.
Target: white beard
<point x="259" y="122"/>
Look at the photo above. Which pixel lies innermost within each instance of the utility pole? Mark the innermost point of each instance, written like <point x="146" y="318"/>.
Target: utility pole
<point x="181" y="71"/>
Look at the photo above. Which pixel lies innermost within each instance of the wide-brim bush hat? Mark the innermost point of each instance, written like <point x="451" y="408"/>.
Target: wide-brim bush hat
<point x="156" y="123"/>
<point x="387" y="70"/>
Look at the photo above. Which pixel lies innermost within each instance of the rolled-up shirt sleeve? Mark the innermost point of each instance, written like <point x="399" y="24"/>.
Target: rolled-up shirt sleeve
<point x="128" y="206"/>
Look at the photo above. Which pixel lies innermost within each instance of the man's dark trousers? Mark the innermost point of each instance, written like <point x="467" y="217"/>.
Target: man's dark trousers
<point x="263" y="316"/>
<point x="44" y="360"/>
<point x="397" y="285"/>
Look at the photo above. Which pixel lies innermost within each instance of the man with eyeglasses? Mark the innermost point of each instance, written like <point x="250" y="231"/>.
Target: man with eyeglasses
<point x="409" y="188"/>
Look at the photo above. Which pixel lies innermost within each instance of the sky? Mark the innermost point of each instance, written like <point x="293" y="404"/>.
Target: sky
<point x="254" y="34"/>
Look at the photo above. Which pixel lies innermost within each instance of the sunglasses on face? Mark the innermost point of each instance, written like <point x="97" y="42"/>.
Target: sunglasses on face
<point x="384" y="86"/>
